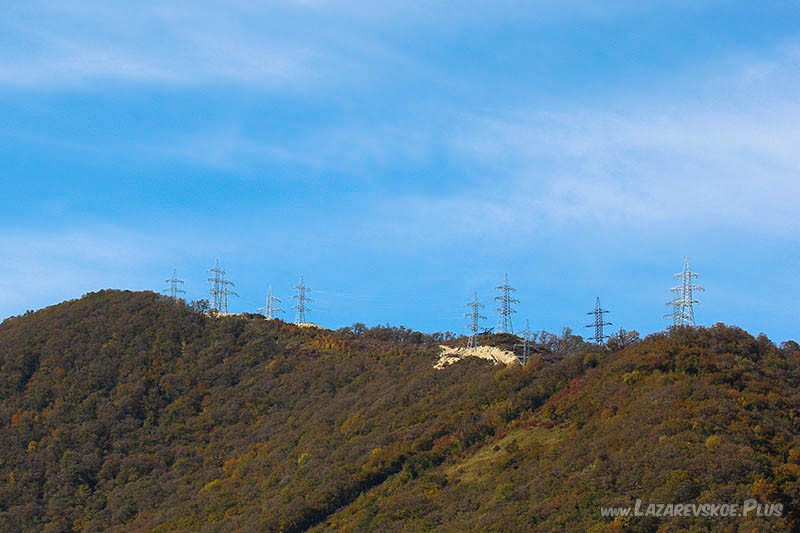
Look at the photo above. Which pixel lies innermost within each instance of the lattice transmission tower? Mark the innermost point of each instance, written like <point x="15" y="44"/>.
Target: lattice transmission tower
<point x="527" y="341"/>
<point x="599" y="334"/>
<point x="506" y="301"/>
<point x="302" y="299"/>
<point x="683" y="304"/>
<point x="270" y="309"/>
<point x="219" y="289"/>
<point x="175" y="286"/>
<point x="475" y="318"/>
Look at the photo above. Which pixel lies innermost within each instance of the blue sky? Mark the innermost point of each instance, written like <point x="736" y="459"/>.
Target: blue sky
<point x="402" y="155"/>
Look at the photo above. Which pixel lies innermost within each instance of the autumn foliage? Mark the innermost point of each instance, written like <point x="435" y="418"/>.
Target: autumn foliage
<point x="127" y="411"/>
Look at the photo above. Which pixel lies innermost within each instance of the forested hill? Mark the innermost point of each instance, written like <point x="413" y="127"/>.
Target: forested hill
<point x="125" y="411"/>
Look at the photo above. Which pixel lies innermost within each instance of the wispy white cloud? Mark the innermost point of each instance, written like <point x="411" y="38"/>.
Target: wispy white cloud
<point x="721" y="153"/>
<point x="44" y="265"/>
<point x="696" y="166"/>
<point x="50" y="45"/>
<point x="356" y="149"/>
<point x="56" y="45"/>
<point x="716" y="152"/>
<point x="714" y="146"/>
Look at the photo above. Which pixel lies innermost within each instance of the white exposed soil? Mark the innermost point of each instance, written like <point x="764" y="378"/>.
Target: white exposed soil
<point x="452" y="355"/>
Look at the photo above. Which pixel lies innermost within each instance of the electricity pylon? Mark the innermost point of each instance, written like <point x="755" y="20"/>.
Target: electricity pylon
<point x="270" y="309"/>
<point x="505" y="310"/>
<point x="174" y="287"/>
<point x="598" y="325"/>
<point x="683" y="304"/>
<point x="475" y="317"/>
<point x="302" y="300"/>
<point x="219" y="289"/>
<point x="527" y="340"/>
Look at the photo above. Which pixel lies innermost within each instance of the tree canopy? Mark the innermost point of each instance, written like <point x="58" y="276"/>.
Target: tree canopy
<point x="127" y="411"/>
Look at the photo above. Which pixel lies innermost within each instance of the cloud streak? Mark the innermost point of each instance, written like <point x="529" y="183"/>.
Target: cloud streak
<point x="710" y="155"/>
<point x="400" y="144"/>
<point x="67" y="264"/>
<point x="79" y="46"/>
<point x="58" y="45"/>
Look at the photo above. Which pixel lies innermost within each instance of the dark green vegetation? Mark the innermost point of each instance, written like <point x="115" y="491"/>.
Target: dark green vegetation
<point x="123" y="410"/>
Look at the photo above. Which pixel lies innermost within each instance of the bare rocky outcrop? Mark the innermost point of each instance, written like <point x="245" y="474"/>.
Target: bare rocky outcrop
<point x="452" y="355"/>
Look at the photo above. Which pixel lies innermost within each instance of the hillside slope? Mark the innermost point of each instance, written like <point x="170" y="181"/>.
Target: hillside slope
<point x="690" y="416"/>
<point x="124" y="411"/>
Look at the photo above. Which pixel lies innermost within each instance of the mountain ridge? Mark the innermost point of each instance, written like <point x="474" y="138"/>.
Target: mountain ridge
<point x="126" y="411"/>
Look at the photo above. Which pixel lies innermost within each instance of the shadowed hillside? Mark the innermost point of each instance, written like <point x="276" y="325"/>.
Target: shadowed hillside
<point x="127" y="411"/>
<point x="694" y="415"/>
